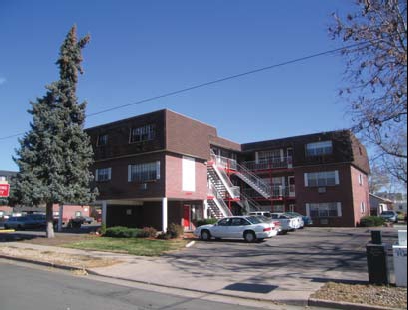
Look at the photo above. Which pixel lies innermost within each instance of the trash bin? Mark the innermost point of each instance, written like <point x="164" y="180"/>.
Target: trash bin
<point x="378" y="272"/>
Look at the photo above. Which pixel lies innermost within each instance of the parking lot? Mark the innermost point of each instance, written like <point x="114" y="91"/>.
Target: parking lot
<point x="319" y="253"/>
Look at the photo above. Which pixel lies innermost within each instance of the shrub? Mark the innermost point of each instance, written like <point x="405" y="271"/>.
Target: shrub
<point x="124" y="232"/>
<point x="164" y="236"/>
<point x="205" y="222"/>
<point x="371" y="221"/>
<point x="149" y="232"/>
<point x="175" y="230"/>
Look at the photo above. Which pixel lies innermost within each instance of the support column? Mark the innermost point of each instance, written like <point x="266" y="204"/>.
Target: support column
<point x="164" y="214"/>
<point x="205" y="211"/>
<point x="60" y="216"/>
<point x="104" y="211"/>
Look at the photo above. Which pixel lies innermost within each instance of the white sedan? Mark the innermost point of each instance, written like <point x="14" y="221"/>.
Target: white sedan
<point x="250" y="228"/>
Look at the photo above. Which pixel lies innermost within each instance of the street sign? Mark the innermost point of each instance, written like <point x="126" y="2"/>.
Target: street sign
<point x="4" y="190"/>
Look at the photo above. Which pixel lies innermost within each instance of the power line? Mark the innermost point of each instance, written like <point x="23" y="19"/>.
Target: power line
<point x="333" y="51"/>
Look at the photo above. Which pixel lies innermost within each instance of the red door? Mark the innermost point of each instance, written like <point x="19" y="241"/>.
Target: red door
<point x="186" y="217"/>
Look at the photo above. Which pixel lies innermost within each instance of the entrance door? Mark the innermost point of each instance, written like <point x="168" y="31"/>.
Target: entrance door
<point x="186" y="217"/>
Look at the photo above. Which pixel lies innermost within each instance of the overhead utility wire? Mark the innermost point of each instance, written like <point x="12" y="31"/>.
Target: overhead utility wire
<point x="361" y="45"/>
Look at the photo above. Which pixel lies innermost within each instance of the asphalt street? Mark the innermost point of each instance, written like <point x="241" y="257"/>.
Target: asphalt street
<point x="23" y="287"/>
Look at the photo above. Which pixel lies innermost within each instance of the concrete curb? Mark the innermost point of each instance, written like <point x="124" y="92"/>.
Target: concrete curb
<point x="45" y="264"/>
<point x="313" y="302"/>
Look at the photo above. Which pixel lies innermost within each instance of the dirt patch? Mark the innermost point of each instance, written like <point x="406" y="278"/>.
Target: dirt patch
<point x="384" y="296"/>
<point x="59" y="239"/>
<point x="57" y="258"/>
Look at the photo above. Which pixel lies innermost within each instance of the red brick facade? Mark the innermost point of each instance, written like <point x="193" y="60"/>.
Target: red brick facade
<point x="177" y="141"/>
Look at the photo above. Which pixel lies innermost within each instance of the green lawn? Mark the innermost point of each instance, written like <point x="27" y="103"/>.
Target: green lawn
<point x="134" y="246"/>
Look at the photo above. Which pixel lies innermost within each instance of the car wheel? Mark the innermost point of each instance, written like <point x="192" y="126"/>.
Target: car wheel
<point x="249" y="236"/>
<point x="205" y="235"/>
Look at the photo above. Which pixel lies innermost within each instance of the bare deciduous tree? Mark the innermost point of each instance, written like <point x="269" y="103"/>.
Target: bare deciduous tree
<point x="376" y="75"/>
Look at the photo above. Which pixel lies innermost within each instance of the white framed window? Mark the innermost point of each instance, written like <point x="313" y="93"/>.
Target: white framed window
<point x="363" y="207"/>
<point x="322" y="179"/>
<point x="326" y="209"/>
<point x="143" y="133"/>
<point x="361" y="179"/>
<point x="319" y="148"/>
<point x="103" y="174"/>
<point x="270" y="156"/>
<point x="144" y="172"/>
<point x="189" y="174"/>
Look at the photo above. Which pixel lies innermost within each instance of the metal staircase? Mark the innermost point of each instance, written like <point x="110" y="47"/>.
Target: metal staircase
<point x="248" y="204"/>
<point x="254" y="181"/>
<point x="216" y="204"/>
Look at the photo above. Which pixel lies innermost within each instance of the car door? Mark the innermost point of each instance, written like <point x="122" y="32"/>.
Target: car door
<point x="220" y="230"/>
<point x="237" y="227"/>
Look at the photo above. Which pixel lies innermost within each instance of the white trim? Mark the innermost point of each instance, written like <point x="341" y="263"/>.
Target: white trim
<point x="110" y="173"/>
<point x="306" y="180"/>
<point x="308" y="209"/>
<point x="337" y="177"/>
<point x="256" y="158"/>
<point x="339" y="211"/>
<point x="129" y="173"/>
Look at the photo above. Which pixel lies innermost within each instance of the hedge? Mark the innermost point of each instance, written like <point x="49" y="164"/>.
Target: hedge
<point x="126" y="232"/>
<point x="371" y="221"/>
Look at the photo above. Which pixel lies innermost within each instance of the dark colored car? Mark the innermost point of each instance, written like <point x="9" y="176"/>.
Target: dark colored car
<point x="390" y="216"/>
<point x="25" y="222"/>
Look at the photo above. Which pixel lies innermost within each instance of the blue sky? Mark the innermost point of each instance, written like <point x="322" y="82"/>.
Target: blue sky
<point x="144" y="48"/>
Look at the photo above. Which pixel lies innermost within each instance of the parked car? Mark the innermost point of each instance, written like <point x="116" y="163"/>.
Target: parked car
<point x="261" y="213"/>
<point x="24" y="222"/>
<point x="390" y="216"/>
<point x="87" y="219"/>
<point x="287" y="222"/>
<point x="270" y="220"/>
<point x="306" y="219"/>
<point x="250" y="228"/>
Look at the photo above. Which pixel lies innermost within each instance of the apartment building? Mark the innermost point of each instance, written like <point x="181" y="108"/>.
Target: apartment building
<point x="164" y="167"/>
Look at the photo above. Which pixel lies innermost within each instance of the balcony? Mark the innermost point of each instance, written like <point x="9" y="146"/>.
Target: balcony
<point x="270" y="164"/>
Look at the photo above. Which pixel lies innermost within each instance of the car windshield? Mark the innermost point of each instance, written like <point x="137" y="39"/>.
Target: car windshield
<point x="254" y="219"/>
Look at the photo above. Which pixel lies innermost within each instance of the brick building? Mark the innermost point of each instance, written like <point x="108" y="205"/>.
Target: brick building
<point x="164" y="167"/>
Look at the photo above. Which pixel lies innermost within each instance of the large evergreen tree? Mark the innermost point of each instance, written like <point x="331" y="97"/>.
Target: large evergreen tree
<point x="55" y="155"/>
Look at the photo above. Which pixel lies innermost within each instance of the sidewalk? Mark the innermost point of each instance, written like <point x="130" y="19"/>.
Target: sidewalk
<point x="284" y="286"/>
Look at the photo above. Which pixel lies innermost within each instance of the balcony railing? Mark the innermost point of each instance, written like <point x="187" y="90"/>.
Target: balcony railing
<point x="270" y="164"/>
<point x="277" y="191"/>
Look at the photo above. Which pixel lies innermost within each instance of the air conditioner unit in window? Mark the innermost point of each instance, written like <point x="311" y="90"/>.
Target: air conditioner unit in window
<point x="321" y="190"/>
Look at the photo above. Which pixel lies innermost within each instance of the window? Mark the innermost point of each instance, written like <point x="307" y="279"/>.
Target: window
<point x="239" y="222"/>
<point x="102" y="140"/>
<point x="360" y="179"/>
<point x="270" y="156"/>
<point x="322" y="179"/>
<point x="319" y="148"/>
<point x="224" y="222"/>
<point x="103" y="175"/>
<point x="328" y="209"/>
<point x="363" y="207"/>
<point x="144" y="172"/>
<point x="144" y="133"/>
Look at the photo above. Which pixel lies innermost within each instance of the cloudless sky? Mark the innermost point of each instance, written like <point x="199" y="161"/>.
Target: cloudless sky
<point x="145" y="48"/>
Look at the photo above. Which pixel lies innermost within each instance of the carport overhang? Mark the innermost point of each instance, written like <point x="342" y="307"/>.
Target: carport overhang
<point x="140" y="202"/>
